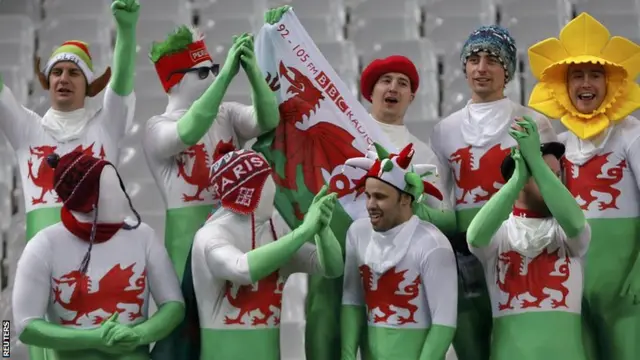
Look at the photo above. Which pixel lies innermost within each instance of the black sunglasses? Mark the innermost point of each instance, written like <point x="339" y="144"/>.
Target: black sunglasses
<point x="203" y="72"/>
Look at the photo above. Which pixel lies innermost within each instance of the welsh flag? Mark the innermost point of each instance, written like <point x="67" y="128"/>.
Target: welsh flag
<point x="322" y="125"/>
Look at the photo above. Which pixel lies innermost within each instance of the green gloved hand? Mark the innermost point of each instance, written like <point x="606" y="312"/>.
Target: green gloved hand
<point x="525" y="132"/>
<point x="274" y="15"/>
<point x="124" y="339"/>
<point x="105" y="336"/>
<point x="521" y="172"/>
<point x="232" y="62"/>
<point x="126" y="13"/>
<point x="248" y="57"/>
<point x="320" y="211"/>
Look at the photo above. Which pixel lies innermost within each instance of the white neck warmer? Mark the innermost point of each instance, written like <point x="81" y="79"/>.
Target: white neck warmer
<point x="529" y="236"/>
<point x="386" y="249"/>
<point x="580" y="151"/>
<point x="398" y="134"/>
<point x="66" y="126"/>
<point x="486" y="121"/>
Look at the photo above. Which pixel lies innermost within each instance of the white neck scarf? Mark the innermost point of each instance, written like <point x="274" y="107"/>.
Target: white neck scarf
<point x="66" y="125"/>
<point x="485" y="121"/>
<point x="529" y="236"/>
<point x="386" y="249"/>
<point x="580" y="151"/>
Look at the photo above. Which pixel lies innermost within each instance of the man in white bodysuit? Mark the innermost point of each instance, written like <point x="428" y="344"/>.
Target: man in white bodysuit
<point x="400" y="271"/>
<point x="68" y="125"/>
<point x="244" y="254"/>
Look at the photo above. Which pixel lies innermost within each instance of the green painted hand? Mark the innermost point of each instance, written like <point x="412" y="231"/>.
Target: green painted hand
<point x="525" y="132"/>
<point x="274" y="15"/>
<point x="124" y="339"/>
<point x="232" y="62"/>
<point x="126" y="13"/>
<point x="320" y="211"/>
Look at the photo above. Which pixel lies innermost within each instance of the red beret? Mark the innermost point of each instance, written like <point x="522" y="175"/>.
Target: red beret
<point x="377" y="68"/>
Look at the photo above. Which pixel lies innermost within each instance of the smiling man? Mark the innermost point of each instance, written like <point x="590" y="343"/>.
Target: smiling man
<point x="588" y="81"/>
<point x="399" y="282"/>
<point x="470" y="145"/>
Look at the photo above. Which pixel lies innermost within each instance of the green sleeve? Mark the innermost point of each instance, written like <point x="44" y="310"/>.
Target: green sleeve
<point x="162" y="323"/>
<point x="44" y="334"/>
<point x="488" y="220"/>
<point x="444" y="220"/>
<point x="264" y="101"/>
<point x="561" y="203"/>
<point x="437" y="343"/>
<point x="329" y="253"/>
<point x="195" y="123"/>
<point x="268" y="258"/>
<point x="352" y="321"/>
<point x="124" y="62"/>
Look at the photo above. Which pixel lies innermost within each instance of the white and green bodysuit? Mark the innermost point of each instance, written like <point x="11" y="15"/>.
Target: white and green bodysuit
<point x="95" y="131"/>
<point x="408" y="291"/>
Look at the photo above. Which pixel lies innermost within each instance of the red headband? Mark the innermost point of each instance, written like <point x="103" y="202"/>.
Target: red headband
<point x="194" y="54"/>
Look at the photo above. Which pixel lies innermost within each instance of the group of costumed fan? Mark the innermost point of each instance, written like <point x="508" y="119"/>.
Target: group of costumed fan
<point x="553" y="229"/>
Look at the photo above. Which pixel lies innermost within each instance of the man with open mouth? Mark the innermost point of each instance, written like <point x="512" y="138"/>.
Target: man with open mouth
<point x="470" y="145"/>
<point x="71" y="124"/>
<point x="588" y="81"/>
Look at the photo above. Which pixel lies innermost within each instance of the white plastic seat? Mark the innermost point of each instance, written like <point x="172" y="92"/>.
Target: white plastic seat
<point x="513" y="90"/>
<point x="517" y="8"/>
<point x="366" y="33"/>
<point x="55" y="32"/>
<point x="322" y="28"/>
<point x="223" y="30"/>
<point x="455" y="95"/>
<point x="448" y="34"/>
<point x="625" y="25"/>
<point x="133" y="166"/>
<point x="148" y="107"/>
<point x="65" y="8"/>
<point x="420" y="51"/>
<point x="147" y="82"/>
<point x="457" y="8"/>
<point x="421" y="128"/>
<point x="220" y="9"/>
<point x="16" y="28"/>
<point x="13" y="77"/>
<point x="149" y="30"/>
<point x="374" y="9"/>
<point x="16" y="54"/>
<point x="145" y="194"/>
<point x="178" y="10"/>
<point x="341" y="55"/>
<point x="334" y="9"/>
<point x="527" y="31"/>
<point x="596" y="8"/>
<point x="30" y="8"/>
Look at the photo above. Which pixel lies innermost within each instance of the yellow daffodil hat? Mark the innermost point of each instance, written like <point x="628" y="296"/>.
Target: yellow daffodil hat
<point x="585" y="40"/>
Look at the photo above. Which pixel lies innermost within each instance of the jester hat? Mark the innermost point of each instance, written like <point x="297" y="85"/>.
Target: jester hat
<point x="395" y="170"/>
<point x="183" y="49"/>
<point x="78" y="53"/>
<point x="585" y="40"/>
